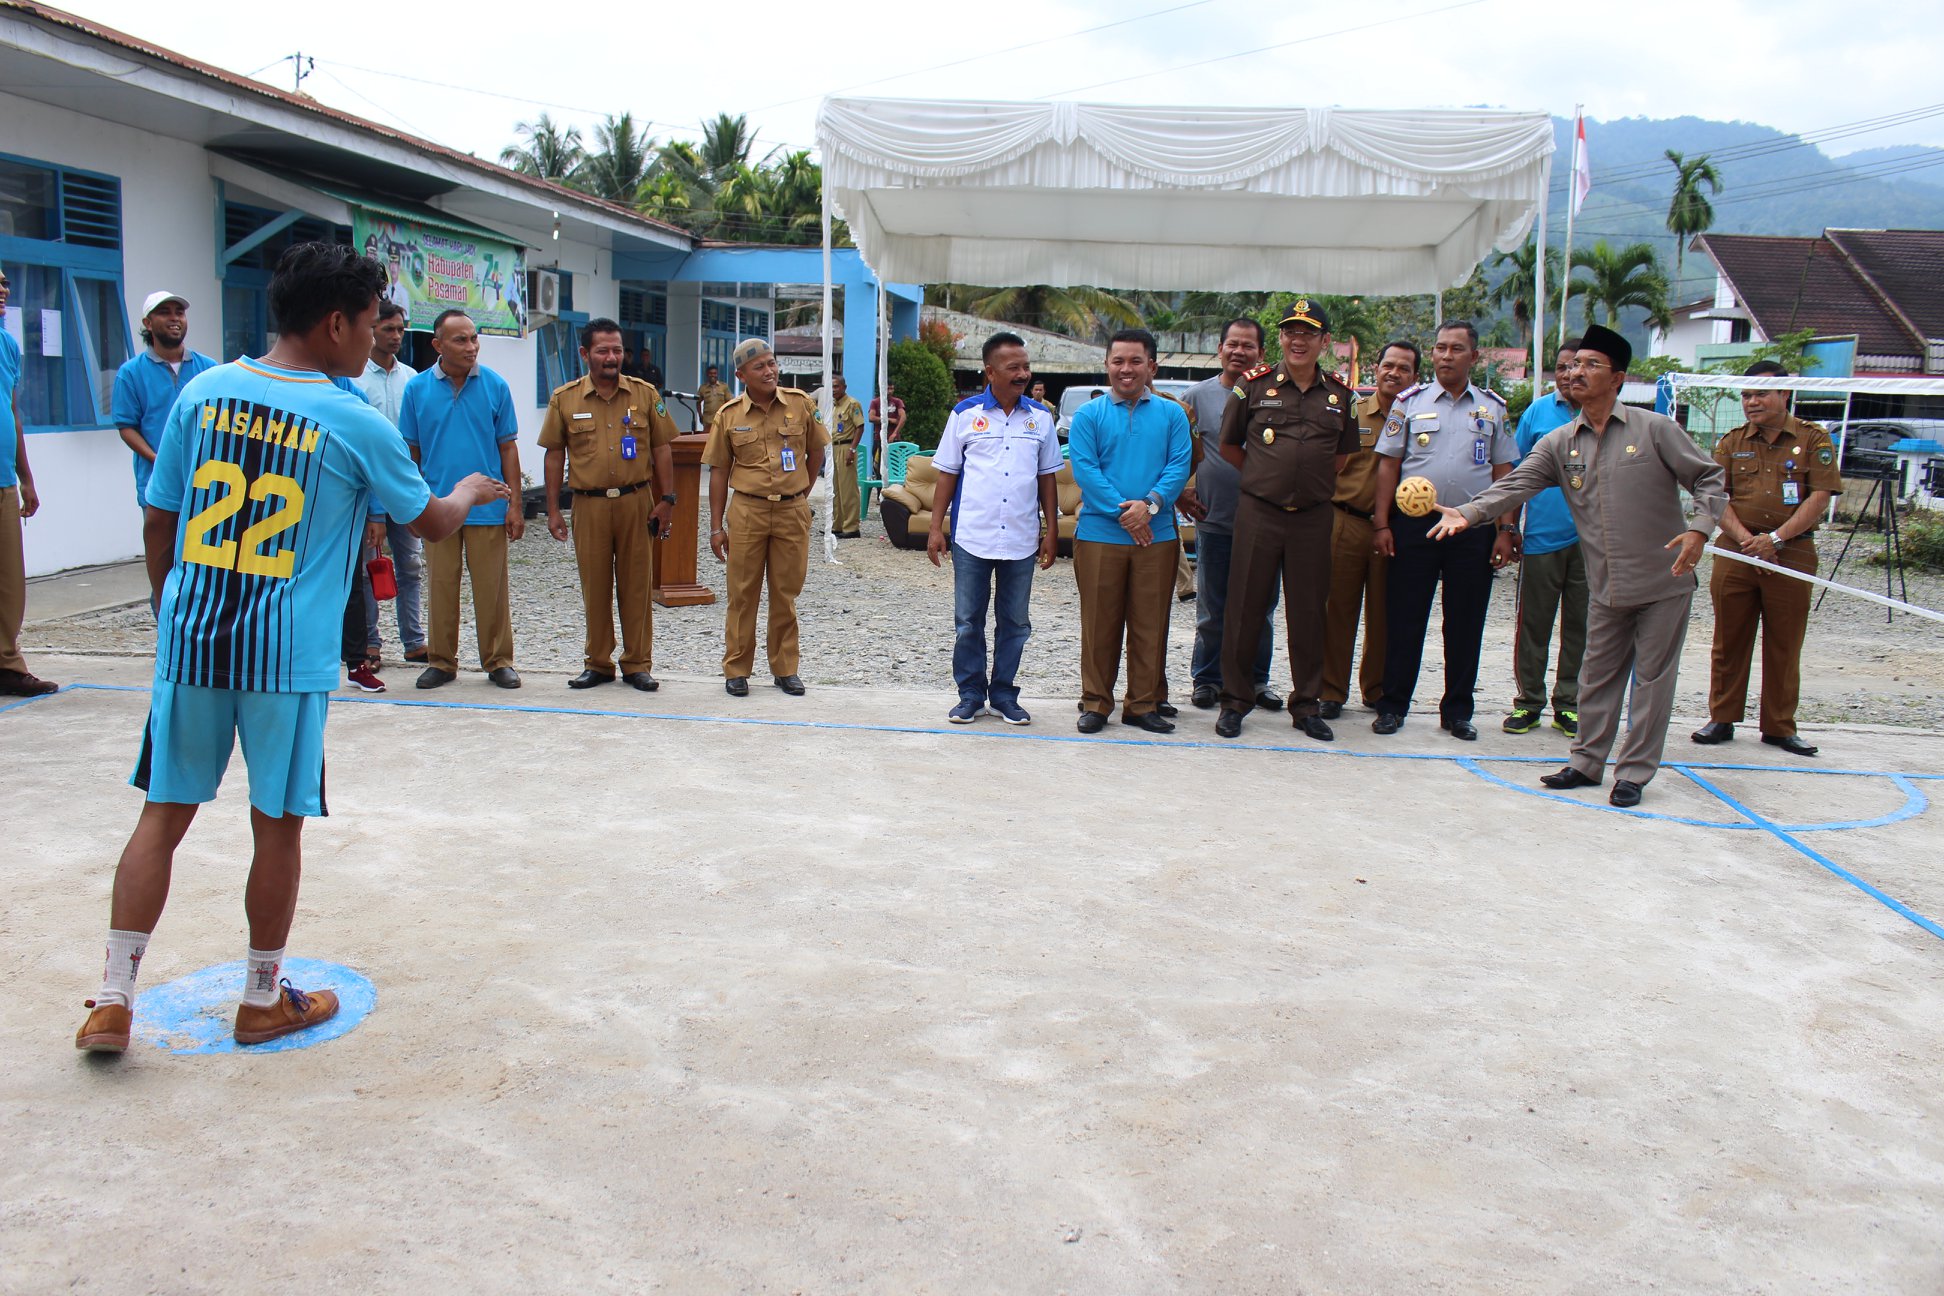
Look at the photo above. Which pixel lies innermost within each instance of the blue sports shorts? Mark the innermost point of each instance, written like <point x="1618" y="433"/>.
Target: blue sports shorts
<point x="191" y="731"/>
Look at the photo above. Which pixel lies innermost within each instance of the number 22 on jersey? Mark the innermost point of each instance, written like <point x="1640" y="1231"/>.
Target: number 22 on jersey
<point x="246" y="555"/>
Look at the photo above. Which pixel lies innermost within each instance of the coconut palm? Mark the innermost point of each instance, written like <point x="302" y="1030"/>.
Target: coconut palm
<point x="726" y="143"/>
<point x="1517" y="288"/>
<point x="619" y="161"/>
<point x="1081" y="311"/>
<point x="1690" y="212"/>
<point x="551" y="151"/>
<point x="1615" y="281"/>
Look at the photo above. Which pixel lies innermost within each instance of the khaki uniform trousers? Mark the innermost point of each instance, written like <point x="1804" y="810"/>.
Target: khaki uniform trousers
<point x="13" y="581"/>
<point x="482" y="549"/>
<point x="1184" y="574"/>
<point x="766" y="539"/>
<point x="1644" y="644"/>
<point x="1126" y="591"/>
<point x="1273" y="545"/>
<point x="616" y="556"/>
<point x="1357" y="579"/>
<point x="1745" y="597"/>
<point x="843" y="485"/>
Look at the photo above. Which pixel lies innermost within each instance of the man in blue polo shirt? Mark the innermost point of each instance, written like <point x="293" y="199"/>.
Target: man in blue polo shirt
<point x="457" y="417"/>
<point x="1552" y="578"/>
<point x="266" y="474"/>
<point x="146" y="386"/>
<point x="17" y="500"/>
<point x="996" y="461"/>
<point x="1130" y="459"/>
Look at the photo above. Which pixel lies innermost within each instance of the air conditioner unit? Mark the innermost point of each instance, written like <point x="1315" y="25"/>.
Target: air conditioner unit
<point x="543" y="298"/>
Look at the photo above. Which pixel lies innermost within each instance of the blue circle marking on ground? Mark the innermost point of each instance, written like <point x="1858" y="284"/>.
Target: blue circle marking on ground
<point x="197" y="1013"/>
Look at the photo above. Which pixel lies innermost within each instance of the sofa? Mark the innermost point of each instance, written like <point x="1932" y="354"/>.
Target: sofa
<point x="907" y="509"/>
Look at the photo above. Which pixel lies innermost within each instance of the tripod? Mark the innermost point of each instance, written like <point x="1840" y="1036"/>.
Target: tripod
<point x="1883" y="493"/>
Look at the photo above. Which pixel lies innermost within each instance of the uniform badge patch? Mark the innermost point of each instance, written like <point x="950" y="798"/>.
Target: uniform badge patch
<point x="1333" y="399"/>
<point x="1394" y="425"/>
<point x="1825" y="455"/>
<point x="980" y="424"/>
<point x="1237" y="392"/>
<point x="661" y="408"/>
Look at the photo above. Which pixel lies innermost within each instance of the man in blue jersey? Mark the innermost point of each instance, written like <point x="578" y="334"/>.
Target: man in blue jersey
<point x="147" y="385"/>
<point x="255" y="511"/>
<point x="1552" y="577"/>
<point x="17" y="500"/>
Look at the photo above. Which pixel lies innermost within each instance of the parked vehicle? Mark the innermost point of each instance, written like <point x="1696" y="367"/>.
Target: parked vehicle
<point x="1074" y="397"/>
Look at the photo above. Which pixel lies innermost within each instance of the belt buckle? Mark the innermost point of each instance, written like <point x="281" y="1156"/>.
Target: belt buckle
<point x="612" y="492"/>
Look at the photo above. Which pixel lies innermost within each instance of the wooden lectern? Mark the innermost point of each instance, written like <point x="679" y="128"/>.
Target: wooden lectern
<point x="675" y="554"/>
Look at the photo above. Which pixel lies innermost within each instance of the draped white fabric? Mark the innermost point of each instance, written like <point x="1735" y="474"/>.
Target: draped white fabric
<point x="1321" y="200"/>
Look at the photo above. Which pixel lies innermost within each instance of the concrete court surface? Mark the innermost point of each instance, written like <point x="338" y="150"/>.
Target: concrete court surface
<point x="802" y="1001"/>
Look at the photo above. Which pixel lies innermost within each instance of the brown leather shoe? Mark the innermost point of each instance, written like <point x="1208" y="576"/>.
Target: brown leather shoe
<point x="106" y="1030"/>
<point x="23" y="684"/>
<point x="294" y="1010"/>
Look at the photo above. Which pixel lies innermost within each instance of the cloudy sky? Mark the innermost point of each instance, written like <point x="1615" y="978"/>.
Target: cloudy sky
<point x="466" y="76"/>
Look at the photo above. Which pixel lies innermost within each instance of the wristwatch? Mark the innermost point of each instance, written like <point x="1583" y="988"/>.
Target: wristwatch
<point x="1508" y="528"/>
<point x="1153" y="505"/>
<point x="669" y="498"/>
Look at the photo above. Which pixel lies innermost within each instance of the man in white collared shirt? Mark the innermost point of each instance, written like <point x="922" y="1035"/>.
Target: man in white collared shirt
<point x="995" y="460"/>
<point x="383" y="384"/>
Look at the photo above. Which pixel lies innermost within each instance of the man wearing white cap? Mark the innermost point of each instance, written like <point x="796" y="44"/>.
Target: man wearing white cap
<point x="146" y="386"/>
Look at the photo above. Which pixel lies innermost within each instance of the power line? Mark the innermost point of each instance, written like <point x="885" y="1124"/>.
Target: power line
<point x="415" y="129"/>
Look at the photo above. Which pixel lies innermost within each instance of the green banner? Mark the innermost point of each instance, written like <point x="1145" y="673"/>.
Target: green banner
<point x="434" y="270"/>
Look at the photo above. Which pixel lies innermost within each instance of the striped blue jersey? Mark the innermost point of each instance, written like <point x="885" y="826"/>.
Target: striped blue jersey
<point x="272" y="471"/>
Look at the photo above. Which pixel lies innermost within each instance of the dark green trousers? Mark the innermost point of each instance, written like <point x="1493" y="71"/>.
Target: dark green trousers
<point x="1551" y="585"/>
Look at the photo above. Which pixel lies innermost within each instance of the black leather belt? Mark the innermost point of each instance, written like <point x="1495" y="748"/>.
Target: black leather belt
<point x="781" y="499"/>
<point x="612" y="492"/>
<point x="1356" y="512"/>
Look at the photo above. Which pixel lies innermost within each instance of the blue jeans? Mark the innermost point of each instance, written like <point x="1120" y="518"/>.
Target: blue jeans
<point x="1212" y="552"/>
<point x="973" y="581"/>
<point x="408" y="565"/>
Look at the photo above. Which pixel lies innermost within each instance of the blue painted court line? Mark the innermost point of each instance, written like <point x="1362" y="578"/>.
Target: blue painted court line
<point x="197" y="1013"/>
<point x="1883" y="898"/>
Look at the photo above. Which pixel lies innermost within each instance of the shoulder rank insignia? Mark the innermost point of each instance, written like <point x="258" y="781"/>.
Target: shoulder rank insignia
<point x="1257" y="372"/>
<point x="1494" y="395"/>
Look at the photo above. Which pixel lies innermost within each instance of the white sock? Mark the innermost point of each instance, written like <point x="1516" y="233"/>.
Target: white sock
<point x="260" y="979"/>
<point x="123" y="961"/>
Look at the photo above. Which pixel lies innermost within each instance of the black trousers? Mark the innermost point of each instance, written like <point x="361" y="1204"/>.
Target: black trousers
<point x="1464" y="565"/>
<point x="355" y="629"/>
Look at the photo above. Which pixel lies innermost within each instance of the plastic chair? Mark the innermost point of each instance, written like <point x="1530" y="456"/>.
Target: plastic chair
<point x="895" y="456"/>
<point x="867" y="483"/>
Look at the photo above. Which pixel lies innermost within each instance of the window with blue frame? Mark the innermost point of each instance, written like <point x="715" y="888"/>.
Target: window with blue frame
<point x="644" y="323"/>
<point x="60" y="245"/>
<point x="249" y="329"/>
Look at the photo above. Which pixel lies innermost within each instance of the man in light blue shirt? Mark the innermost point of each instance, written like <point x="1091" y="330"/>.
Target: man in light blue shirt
<point x="1552" y="578"/>
<point x="383" y="384"/>
<point x="457" y="418"/>
<point x="17" y="500"/>
<point x="1130" y="454"/>
<point x="995" y="460"/>
<point x="146" y="385"/>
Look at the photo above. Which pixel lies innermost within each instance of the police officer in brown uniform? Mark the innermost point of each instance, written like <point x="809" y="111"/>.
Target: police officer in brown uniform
<point x="768" y="446"/>
<point x="1781" y="475"/>
<point x="714" y="394"/>
<point x="606" y="429"/>
<point x="1289" y="428"/>
<point x="846" y="425"/>
<point x="1357" y="570"/>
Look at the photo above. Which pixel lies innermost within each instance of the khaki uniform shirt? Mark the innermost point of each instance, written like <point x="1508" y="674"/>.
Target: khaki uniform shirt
<point x="714" y="396"/>
<point x="848" y="419"/>
<point x="748" y="443"/>
<point x="1624" y="489"/>
<point x="1768" y="478"/>
<point x="1356" y="486"/>
<point x="1290" y="437"/>
<point x="590" y="429"/>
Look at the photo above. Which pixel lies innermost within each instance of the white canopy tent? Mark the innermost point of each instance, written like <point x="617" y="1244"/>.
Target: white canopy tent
<point x="1165" y="198"/>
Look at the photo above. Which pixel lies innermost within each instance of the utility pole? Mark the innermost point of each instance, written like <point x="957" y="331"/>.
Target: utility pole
<point x="301" y="68"/>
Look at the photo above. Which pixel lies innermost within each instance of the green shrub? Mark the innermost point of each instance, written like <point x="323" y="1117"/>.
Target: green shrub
<point x="1921" y="534"/>
<point x="925" y="386"/>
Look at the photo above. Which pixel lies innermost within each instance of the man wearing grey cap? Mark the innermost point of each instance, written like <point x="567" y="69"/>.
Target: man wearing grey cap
<point x="768" y="446"/>
<point x="146" y="385"/>
<point x="1622" y="471"/>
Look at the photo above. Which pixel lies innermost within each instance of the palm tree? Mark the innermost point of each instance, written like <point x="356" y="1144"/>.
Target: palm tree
<point x="1080" y="310"/>
<point x="665" y="198"/>
<point x="796" y="197"/>
<point x="726" y="143"/>
<point x="1616" y="280"/>
<point x="1690" y="212"/>
<point x="551" y="152"/>
<point x="1517" y="288"/>
<point x="619" y="161"/>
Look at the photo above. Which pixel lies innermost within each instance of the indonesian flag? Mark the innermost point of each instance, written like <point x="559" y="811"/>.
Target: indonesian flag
<point x="1582" y="165"/>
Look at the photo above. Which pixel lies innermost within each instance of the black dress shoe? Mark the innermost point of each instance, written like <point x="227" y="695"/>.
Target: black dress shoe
<point x="1315" y="727"/>
<point x="1625" y="794"/>
<point x="1204" y="696"/>
<point x="1228" y="725"/>
<point x="589" y="679"/>
<point x="790" y="684"/>
<point x="1268" y="699"/>
<point x="736" y="686"/>
<point x="642" y="680"/>
<point x="1463" y="730"/>
<point x="1791" y="744"/>
<point x="1568" y="779"/>
<point x="1152" y="721"/>
<point x="1092" y="722"/>
<point x="431" y="677"/>
<point x="1713" y="732"/>
<point x="1386" y="723"/>
<point x="506" y="677"/>
<point x="1168" y="709"/>
<point x="1330" y="710"/>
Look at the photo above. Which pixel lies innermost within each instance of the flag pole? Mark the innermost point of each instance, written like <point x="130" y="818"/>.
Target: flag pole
<point x="1572" y="210"/>
<point x="1539" y="284"/>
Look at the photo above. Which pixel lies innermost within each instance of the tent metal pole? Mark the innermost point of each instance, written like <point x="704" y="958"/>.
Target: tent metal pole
<point x="884" y="372"/>
<point x="1539" y="284"/>
<point x="1437" y="309"/>
<point x="825" y="396"/>
<point x="1842" y="437"/>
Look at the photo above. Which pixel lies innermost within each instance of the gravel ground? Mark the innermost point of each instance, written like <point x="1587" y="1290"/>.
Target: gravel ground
<point x="883" y="616"/>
